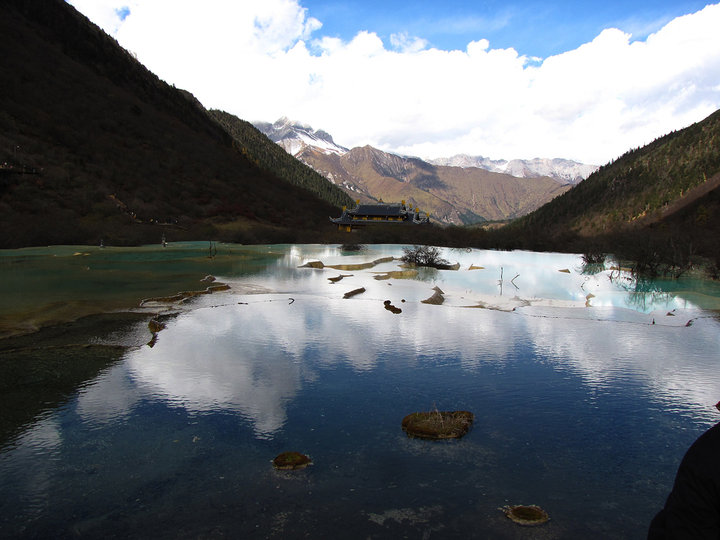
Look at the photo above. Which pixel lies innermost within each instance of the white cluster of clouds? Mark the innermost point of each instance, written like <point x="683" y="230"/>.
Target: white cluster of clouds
<point x="263" y="59"/>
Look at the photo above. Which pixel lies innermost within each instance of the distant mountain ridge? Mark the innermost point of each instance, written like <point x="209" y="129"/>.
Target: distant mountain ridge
<point x="452" y="195"/>
<point x="563" y="170"/>
<point x="468" y="190"/>
<point x="295" y="137"/>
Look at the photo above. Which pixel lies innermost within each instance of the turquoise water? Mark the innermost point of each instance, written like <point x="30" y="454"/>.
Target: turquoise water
<point x="583" y="405"/>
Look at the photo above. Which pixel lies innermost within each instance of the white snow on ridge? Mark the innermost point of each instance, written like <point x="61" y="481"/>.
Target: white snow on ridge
<point x="295" y="137"/>
<point x="562" y="170"/>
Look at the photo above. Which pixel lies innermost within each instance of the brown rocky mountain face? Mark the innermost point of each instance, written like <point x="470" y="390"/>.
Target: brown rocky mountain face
<point x="451" y="195"/>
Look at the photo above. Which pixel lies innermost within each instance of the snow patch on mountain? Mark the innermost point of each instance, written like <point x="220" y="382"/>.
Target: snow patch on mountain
<point x="294" y="137"/>
<point x="563" y="170"/>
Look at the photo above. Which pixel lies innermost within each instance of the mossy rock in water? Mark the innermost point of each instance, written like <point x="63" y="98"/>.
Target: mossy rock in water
<point x="438" y="424"/>
<point x="526" y="515"/>
<point x="289" y="461"/>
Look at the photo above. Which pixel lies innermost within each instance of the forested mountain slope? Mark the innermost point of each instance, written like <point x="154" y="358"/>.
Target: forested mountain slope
<point x="95" y="147"/>
<point x="268" y="155"/>
<point x="661" y="199"/>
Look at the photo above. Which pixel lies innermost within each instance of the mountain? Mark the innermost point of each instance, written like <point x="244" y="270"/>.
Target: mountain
<point x="94" y="146"/>
<point x="317" y="149"/>
<point x="294" y="137"/>
<point x="563" y="170"/>
<point x="256" y="146"/>
<point x="452" y="195"/>
<point x="661" y="201"/>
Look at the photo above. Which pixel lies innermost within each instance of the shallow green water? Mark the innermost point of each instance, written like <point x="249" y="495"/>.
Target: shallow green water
<point x="47" y="285"/>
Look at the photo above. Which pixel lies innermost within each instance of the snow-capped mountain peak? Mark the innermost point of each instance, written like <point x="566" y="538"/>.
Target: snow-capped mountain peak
<point x="294" y="137"/>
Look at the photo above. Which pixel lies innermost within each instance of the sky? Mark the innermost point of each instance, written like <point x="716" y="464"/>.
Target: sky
<point x="514" y="79"/>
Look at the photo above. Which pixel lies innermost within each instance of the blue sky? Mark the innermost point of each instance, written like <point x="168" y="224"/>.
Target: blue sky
<point x="557" y="79"/>
<point x="534" y="29"/>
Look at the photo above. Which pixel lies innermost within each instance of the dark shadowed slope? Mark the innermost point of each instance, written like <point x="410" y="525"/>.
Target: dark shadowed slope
<point x="94" y="146"/>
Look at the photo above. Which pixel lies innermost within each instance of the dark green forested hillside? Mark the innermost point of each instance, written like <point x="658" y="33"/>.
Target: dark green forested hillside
<point x="94" y="146"/>
<point x="660" y="199"/>
<point x="269" y="156"/>
<point x="640" y="183"/>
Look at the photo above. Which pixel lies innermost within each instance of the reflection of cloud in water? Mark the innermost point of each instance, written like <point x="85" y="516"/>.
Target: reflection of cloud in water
<point x="676" y="364"/>
<point x="109" y="398"/>
<point x="213" y="359"/>
<point x="255" y="357"/>
<point x="31" y="481"/>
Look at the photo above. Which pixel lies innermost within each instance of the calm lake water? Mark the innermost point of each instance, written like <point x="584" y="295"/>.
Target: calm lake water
<point x="587" y="388"/>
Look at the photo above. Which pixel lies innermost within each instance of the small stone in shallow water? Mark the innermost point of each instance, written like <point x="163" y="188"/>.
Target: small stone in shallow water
<point x="438" y="424"/>
<point x="391" y="308"/>
<point x="290" y="461"/>
<point x="526" y="515"/>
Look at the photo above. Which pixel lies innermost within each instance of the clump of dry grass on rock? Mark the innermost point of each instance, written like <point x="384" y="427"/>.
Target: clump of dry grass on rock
<point x="290" y="461"/>
<point x="438" y="424"/>
<point x="526" y="515"/>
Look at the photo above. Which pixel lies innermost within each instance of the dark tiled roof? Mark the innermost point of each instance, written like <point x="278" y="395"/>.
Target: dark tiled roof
<point x="377" y="210"/>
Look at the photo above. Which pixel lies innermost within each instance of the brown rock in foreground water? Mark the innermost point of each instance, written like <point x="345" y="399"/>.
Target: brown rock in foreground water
<point x="290" y="461"/>
<point x="438" y="424"/>
<point x="526" y="515"/>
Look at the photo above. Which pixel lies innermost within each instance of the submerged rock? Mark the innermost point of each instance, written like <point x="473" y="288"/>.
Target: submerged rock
<point x="313" y="264"/>
<point x="184" y="295"/>
<point x="398" y="274"/>
<point x="291" y="461"/>
<point x="526" y="515"/>
<point x="361" y="266"/>
<point x="438" y="424"/>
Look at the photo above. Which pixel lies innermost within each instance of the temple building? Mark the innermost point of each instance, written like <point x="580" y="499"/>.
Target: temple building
<point x="368" y="214"/>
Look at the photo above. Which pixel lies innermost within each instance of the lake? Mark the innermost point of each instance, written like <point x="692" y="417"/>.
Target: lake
<point x="587" y="386"/>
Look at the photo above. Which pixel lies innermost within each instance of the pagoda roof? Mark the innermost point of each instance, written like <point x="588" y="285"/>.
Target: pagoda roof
<point x="378" y="210"/>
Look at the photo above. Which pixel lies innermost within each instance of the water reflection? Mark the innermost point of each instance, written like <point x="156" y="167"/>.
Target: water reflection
<point x="569" y="390"/>
<point x="254" y="356"/>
